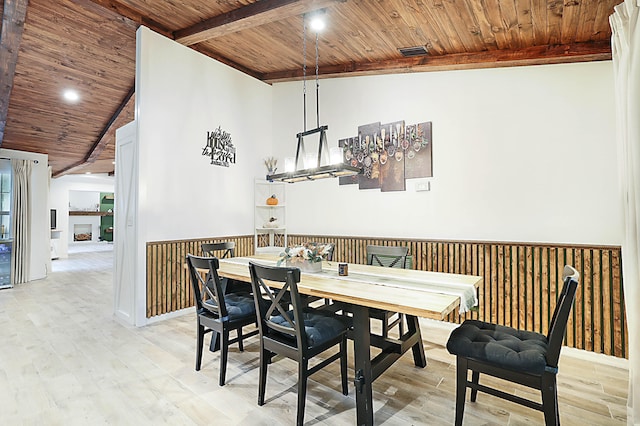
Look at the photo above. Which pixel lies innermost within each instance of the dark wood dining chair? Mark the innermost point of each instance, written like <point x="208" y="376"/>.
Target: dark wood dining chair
<point x="391" y="257"/>
<point x="519" y="356"/>
<point x="388" y="256"/>
<point x="297" y="332"/>
<point x="225" y="250"/>
<point x="220" y="250"/>
<point x="217" y="312"/>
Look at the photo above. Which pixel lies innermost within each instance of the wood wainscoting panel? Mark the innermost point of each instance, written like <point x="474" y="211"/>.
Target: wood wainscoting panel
<point x="168" y="286"/>
<point x="521" y="283"/>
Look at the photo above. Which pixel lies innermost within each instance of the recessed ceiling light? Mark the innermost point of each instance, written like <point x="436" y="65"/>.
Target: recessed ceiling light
<point x="317" y="19"/>
<point x="317" y="23"/>
<point x="71" y="95"/>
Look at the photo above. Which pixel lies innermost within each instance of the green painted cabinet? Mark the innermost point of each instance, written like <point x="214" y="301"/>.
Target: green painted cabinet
<point x="106" y="220"/>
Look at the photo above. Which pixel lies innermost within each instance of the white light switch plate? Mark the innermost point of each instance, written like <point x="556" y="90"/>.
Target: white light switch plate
<point x="423" y="186"/>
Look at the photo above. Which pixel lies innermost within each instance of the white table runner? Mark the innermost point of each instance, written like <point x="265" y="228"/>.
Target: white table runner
<point x="466" y="292"/>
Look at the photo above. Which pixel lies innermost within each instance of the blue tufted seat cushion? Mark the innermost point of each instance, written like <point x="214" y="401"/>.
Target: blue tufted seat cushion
<point x="238" y="305"/>
<point x="319" y="327"/>
<point x="518" y="350"/>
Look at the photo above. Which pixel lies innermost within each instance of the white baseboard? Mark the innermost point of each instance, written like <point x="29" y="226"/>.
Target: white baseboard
<point x="595" y="357"/>
<point x="169" y="315"/>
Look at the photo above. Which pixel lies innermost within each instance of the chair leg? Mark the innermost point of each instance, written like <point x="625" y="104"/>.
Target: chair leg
<point x="401" y="325"/>
<point x="265" y="359"/>
<point x="199" y="345"/>
<point x="461" y="388"/>
<point x="224" y="354"/>
<point x="302" y="390"/>
<point x="550" y="400"/>
<point x="215" y="341"/>
<point x="475" y="378"/>
<point x="343" y="366"/>
<point x="240" y="337"/>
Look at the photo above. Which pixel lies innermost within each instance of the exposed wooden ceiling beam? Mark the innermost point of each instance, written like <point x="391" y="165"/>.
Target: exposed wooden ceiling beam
<point x="210" y="53"/>
<point x="134" y="15"/>
<point x="253" y="15"/>
<point x="69" y="169"/>
<point x="101" y="141"/>
<point x="537" y="55"/>
<point x="13" y="16"/>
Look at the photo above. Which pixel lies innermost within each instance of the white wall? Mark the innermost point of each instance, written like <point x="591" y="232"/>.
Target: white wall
<point x="519" y="154"/>
<point x="180" y="95"/>
<point x="39" y="244"/>
<point x="59" y="200"/>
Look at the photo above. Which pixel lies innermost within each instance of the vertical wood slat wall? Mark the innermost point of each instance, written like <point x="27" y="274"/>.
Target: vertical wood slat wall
<point x="168" y="286"/>
<point x="521" y="281"/>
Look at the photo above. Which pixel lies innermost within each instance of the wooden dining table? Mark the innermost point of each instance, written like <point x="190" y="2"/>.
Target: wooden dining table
<point x="411" y="292"/>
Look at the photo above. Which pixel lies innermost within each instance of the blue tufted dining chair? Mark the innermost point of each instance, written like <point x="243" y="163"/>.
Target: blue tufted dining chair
<point x="389" y="257"/>
<point x="291" y="328"/>
<point x="217" y="312"/>
<point x="224" y="250"/>
<point x="519" y="356"/>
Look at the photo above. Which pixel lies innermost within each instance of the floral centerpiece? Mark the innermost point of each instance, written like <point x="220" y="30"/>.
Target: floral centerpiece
<point x="307" y="257"/>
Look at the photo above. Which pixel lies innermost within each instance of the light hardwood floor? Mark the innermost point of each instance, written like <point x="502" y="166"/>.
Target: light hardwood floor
<point x="65" y="361"/>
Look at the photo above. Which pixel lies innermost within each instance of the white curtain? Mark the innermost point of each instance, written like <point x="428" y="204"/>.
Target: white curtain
<point x="21" y="221"/>
<point x="625" y="43"/>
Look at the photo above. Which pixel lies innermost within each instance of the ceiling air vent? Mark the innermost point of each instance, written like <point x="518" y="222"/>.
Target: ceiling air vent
<point x="413" y="51"/>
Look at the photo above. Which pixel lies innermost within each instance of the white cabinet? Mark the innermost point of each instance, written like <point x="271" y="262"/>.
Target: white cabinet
<point x="270" y="219"/>
<point x="55" y="243"/>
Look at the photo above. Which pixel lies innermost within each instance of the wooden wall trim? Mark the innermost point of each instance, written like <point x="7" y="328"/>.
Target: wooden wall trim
<point x="521" y="280"/>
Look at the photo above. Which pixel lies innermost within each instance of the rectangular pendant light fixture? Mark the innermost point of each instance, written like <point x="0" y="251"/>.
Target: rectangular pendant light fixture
<point x="317" y="172"/>
<point x="335" y="167"/>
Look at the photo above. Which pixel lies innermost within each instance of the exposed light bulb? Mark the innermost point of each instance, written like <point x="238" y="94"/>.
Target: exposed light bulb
<point x="335" y="155"/>
<point x="310" y="161"/>
<point x="289" y="164"/>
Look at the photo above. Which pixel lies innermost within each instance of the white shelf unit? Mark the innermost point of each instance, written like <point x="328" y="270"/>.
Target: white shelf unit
<point x="266" y="239"/>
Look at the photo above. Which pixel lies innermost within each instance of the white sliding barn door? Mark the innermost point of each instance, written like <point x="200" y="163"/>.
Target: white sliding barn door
<point x="125" y="288"/>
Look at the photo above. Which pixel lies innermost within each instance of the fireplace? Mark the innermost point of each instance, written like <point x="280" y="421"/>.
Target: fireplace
<point x="82" y="232"/>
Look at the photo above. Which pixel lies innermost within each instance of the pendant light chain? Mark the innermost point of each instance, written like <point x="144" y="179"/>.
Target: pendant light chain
<point x="317" y="86"/>
<point x="312" y="165"/>
<point x="304" y="71"/>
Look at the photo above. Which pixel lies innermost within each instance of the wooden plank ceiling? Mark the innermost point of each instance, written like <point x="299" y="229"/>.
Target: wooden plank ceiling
<point x="89" y="46"/>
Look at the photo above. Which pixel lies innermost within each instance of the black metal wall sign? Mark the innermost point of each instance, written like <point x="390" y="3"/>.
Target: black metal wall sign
<point x="220" y="148"/>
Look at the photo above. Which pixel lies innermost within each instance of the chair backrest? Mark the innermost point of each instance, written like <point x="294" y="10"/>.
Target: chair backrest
<point x="207" y="289"/>
<point x="211" y="249"/>
<point x="270" y="303"/>
<point x="393" y="257"/>
<point x="558" y="325"/>
<point x="330" y="245"/>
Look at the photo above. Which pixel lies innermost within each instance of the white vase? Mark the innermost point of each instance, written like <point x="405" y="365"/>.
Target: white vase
<point x="305" y="265"/>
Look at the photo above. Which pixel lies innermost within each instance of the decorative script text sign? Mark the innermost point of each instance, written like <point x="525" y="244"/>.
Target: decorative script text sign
<point x="220" y="148"/>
